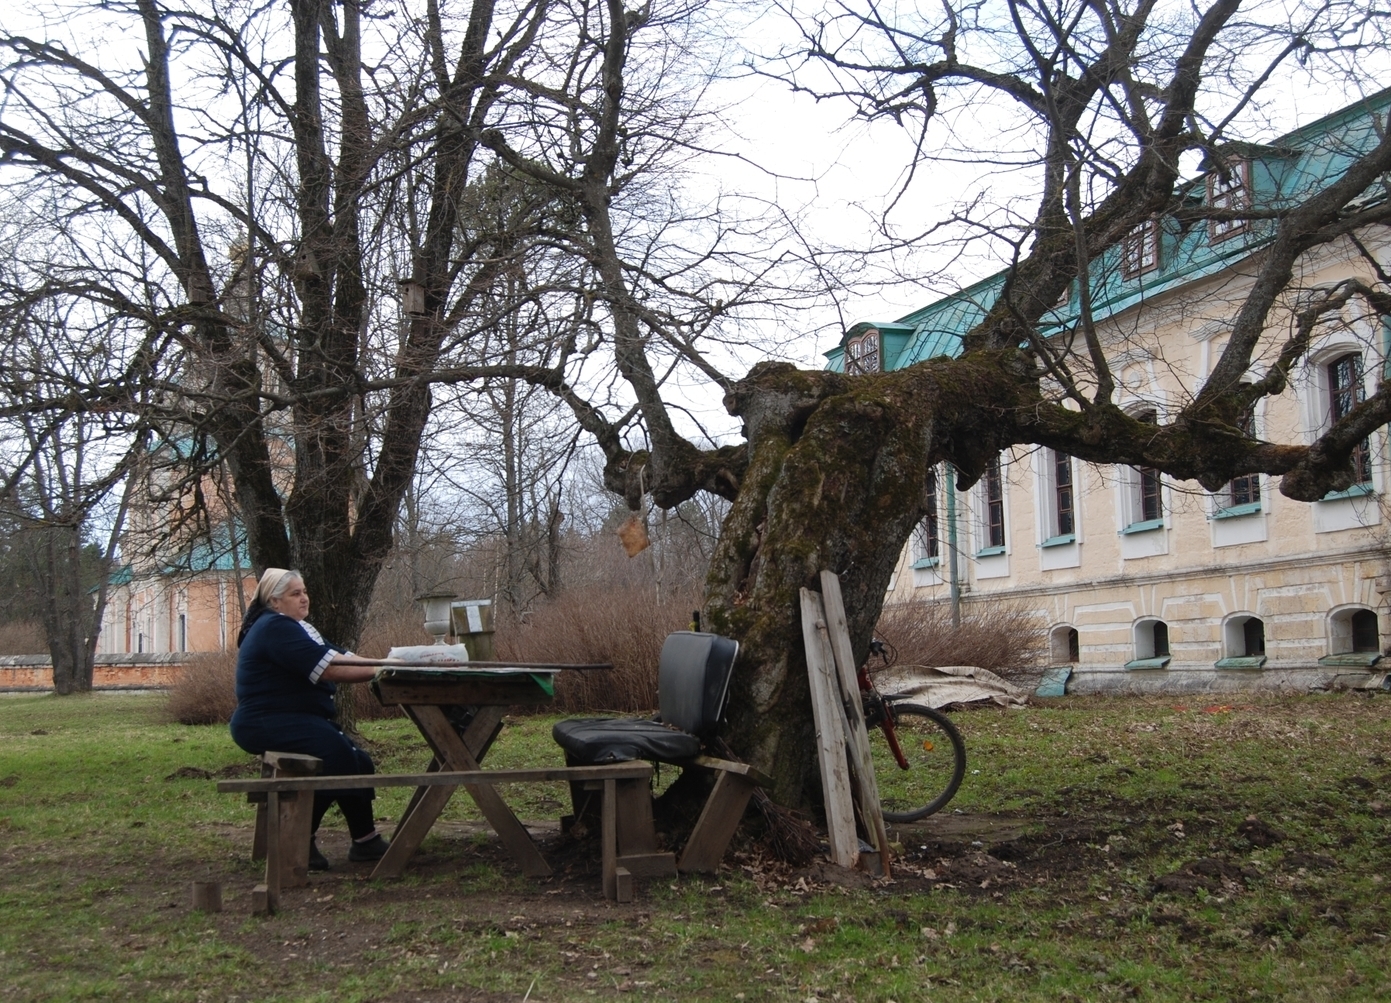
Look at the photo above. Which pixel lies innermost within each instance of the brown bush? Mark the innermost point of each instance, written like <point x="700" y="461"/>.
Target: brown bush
<point x="1005" y="639"/>
<point x="23" y="637"/>
<point x="625" y="625"/>
<point x="205" y="692"/>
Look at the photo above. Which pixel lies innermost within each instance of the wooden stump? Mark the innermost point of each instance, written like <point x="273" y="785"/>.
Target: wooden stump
<point x="206" y="896"/>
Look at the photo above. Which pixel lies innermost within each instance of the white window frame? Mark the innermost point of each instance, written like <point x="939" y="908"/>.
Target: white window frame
<point x="1233" y="193"/>
<point x="860" y="349"/>
<point x="985" y="546"/>
<point x="1052" y="532"/>
<point x="920" y="557"/>
<point x="1140" y="250"/>
<point x="1319" y="401"/>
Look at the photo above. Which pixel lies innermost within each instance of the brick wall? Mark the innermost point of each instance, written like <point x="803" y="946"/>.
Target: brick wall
<point x="141" y="672"/>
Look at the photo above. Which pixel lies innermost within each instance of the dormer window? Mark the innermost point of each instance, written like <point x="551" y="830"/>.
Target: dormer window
<point x="862" y="354"/>
<point x="1140" y="250"/>
<point x="1229" y="191"/>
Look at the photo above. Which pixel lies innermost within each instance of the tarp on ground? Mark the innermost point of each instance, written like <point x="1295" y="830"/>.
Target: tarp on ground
<point x="938" y="686"/>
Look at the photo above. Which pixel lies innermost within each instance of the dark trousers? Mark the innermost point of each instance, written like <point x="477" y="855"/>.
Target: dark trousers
<point x="310" y="735"/>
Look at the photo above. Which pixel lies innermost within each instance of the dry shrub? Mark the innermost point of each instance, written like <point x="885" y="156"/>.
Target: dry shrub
<point x="625" y="625"/>
<point x="205" y="692"/>
<point x="23" y="637"/>
<point x="1007" y="640"/>
<point x="387" y="628"/>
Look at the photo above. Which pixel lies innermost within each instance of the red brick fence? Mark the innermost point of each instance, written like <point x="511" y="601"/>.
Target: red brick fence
<point x="34" y="673"/>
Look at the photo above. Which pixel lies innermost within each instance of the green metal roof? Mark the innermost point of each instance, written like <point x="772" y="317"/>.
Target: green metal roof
<point x="1283" y="173"/>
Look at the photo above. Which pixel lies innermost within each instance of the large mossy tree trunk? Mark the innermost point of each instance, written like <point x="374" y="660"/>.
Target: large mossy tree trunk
<point x="836" y="480"/>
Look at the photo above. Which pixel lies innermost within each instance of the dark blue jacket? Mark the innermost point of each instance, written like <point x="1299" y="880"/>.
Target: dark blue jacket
<point x="280" y="668"/>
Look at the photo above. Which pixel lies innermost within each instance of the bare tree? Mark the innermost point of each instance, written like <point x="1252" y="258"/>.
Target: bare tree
<point x="1108" y="102"/>
<point x="66" y="473"/>
<point x="332" y="153"/>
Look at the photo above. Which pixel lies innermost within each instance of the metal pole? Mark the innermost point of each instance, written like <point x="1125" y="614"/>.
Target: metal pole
<point x="953" y="576"/>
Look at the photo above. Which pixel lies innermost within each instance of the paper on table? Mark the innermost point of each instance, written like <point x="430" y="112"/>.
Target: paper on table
<point x="430" y="653"/>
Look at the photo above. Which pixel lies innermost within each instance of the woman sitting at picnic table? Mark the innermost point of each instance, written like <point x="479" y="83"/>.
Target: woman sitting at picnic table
<point x="286" y="673"/>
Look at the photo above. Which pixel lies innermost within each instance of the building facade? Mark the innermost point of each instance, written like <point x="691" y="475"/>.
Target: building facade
<point x="1146" y="583"/>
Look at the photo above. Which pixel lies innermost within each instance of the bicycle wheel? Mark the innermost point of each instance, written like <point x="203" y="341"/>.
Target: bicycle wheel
<point x="936" y="763"/>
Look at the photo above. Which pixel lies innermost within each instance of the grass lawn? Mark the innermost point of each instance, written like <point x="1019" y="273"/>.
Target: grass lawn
<point x="1100" y="849"/>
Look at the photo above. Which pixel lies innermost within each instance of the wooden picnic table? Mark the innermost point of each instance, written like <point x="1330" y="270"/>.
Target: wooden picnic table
<point x="458" y="710"/>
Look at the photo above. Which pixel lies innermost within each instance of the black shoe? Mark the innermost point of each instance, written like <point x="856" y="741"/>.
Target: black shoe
<point x="317" y="861"/>
<point x="371" y="849"/>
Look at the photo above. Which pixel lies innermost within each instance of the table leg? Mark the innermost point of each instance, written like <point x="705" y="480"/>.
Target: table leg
<point x="411" y="831"/>
<point x="455" y="755"/>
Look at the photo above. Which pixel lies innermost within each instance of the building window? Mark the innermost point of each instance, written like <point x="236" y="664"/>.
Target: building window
<point x="1355" y="631"/>
<point x="1246" y="489"/>
<point x="1145" y="494"/>
<point x="862" y="354"/>
<point x="1345" y="392"/>
<point x="1365" y="634"/>
<point x="992" y="496"/>
<point x="183" y="631"/>
<point x="1229" y="191"/>
<point x="927" y="540"/>
<point x="1064" y="645"/>
<point x="1064" y="521"/>
<point x="1253" y="637"/>
<point x="1151" y="504"/>
<point x="1151" y="644"/>
<point x="1160" y="631"/>
<point x="1243" y="637"/>
<point x="1140" y="250"/>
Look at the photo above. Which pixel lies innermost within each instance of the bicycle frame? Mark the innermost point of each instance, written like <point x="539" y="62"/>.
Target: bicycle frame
<point x="879" y="712"/>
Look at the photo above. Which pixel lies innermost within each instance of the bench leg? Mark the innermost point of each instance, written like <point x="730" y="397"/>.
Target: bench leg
<point x="637" y="836"/>
<point x="715" y="827"/>
<point x="258" y="840"/>
<point x="265" y="899"/>
<point x="608" y="813"/>
<point x="296" y="816"/>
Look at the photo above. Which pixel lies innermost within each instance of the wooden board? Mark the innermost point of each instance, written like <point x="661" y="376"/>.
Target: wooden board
<point x="860" y="756"/>
<point x="830" y="734"/>
<point x="504" y="690"/>
<point x="639" y="769"/>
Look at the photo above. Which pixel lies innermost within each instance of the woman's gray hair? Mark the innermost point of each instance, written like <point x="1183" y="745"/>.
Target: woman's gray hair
<point x="275" y="583"/>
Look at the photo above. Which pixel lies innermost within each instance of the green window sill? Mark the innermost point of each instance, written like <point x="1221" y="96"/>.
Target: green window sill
<point x="1237" y="511"/>
<point x="1143" y="527"/>
<point x="1356" y="491"/>
<point x="1351" y="659"/>
<point x="1059" y="541"/>
<point x="990" y="552"/>
<point x="1250" y="662"/>
<point x="1160" y="662"/>
<point x="926" y="562"/>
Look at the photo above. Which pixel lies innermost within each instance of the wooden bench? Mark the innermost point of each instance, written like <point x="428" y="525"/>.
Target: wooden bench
<point x="627" y="835"/>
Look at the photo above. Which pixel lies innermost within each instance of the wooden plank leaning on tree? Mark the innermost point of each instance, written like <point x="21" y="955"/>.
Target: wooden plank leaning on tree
<point x="830" y="733"/>
<point x="861" y="758"/>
